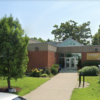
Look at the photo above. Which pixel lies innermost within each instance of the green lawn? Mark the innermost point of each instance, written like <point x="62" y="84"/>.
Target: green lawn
<point x="26" y="84"/>
<point x="90" y="93"/>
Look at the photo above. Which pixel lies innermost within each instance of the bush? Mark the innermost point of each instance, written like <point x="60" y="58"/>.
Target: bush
<point x="35" y="73"/>
<point x="90" y="63"/>
<point x="44" y="75"/>
<point x="89" y="70"/>
<point x="41" y="70"/>
<point x="56" y="66"/>
<point x="50" y="75"/>
<point x="54" y="70"/>
<point x="47" y="71"/>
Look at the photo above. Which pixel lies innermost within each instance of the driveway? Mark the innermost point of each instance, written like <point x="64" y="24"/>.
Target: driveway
<point x="59" y="87"/>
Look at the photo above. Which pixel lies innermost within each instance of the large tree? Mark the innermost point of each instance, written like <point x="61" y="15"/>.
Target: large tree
<point x="39" y="39"/>
<point x="96" y="38"/>
<point x="48" y="40"/>
<point x="71" y="29"/>
<point x="13" y="49"/>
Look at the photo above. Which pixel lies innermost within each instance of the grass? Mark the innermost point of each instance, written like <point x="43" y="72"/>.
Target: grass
<point x="90" y="93"/>
<point x="26" y="84"/>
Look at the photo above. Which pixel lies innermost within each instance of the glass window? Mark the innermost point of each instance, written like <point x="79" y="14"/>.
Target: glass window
<point x="61" y="62"/>
<point x="77" y="55"/>
<point x="69" y="42"/>
<point x="68" y="55"/>
<point x="61" y="54"/>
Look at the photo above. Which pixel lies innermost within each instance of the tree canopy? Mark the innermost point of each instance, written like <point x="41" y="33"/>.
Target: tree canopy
<point x="13" y="49"/>
<point x="48" y="40"/>
<point x="96" y="38"/>
<point x="71" y="29"/>
<point x="41" y="40"/>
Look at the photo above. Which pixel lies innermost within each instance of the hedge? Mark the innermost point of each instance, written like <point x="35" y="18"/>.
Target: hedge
<point x="89" y="70"/>
<point x="90" y="63"/>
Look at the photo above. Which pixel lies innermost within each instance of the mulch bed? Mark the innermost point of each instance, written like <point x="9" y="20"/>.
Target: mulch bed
<point x="5" y="89"/>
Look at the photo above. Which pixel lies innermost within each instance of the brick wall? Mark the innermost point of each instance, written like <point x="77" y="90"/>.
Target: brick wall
<point x="46" y="59"/>
<point x="51" y="58"/>
<point x="37" y="59"/>
<point x="83" y="57"/>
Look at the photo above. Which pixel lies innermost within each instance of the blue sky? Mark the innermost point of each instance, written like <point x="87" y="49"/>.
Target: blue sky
<point x="38" y="17"/>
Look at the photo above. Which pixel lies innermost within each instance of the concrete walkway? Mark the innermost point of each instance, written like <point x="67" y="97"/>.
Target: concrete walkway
<point x="59" y="87"/>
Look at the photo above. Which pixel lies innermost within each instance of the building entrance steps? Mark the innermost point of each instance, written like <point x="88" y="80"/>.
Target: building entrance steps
<point x="59" y="87"/>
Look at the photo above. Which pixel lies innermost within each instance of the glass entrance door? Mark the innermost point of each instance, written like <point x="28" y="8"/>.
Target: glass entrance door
<point x="67" y="63"/>
<point x="70" y="62"/>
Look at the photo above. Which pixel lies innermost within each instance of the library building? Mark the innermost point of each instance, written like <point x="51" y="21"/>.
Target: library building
<point x="66" y="53"/>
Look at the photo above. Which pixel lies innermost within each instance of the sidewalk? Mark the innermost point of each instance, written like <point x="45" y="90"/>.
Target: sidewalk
<point x="59" y="87"/>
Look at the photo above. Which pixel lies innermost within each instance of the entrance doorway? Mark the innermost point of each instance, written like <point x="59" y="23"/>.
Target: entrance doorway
<point x="70" y="63"/>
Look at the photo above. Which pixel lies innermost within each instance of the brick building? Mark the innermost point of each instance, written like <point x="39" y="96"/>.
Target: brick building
<point x="65" y="53"/>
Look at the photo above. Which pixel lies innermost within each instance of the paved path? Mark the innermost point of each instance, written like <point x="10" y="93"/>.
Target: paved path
<point x="59" y="87"/>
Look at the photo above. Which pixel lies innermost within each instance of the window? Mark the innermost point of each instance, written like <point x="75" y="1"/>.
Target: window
<point x="61" y="54"/>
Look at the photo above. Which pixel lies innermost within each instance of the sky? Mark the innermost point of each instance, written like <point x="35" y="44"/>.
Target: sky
<point x="38" y="17"/>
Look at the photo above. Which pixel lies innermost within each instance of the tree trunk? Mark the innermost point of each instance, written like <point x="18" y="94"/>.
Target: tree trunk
<point x="8" y="81"/>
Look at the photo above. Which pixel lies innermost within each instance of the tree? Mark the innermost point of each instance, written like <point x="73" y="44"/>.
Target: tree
<point x="38" y="39"/>
<point x="96" y="38"/>
<point x="41" y="40"/>
<point x="13" y="49"/>
<point x="48" y="40"/>
<point x="35" y="38"/>
<point x="70" y="29"/>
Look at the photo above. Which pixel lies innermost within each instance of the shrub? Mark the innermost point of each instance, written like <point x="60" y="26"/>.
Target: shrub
<point x="89" y="70"/>
<point x="90" y="63"/>
<point x="41" y="70"/>
<point x="50" y="75"/>
<point x="47" y="71"/>
<point x="44" y="75"/>
<point x="56" y="66"/>
<point x="54" y="70"/>
<point x="35" y="73"/>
